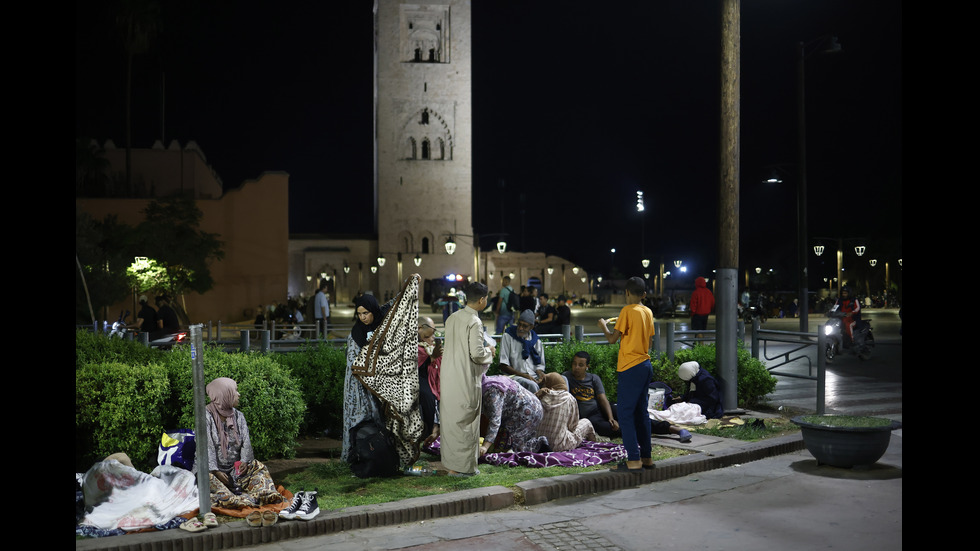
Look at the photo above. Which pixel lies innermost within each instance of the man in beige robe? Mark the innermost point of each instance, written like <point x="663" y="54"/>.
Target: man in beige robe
<point x="466" y="357"/>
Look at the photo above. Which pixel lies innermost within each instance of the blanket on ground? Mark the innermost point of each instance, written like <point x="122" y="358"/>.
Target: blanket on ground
<point x="681" y="413"/>
<point x="117" y="496"/>
<point x="244" y="511"/>
<point x="586" y="455"/>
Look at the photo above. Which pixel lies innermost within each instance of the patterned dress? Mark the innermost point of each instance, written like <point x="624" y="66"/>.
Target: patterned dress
<point x="253" y="477"/>
<point x="514" y="411"/>
<point x="561" y="423"/>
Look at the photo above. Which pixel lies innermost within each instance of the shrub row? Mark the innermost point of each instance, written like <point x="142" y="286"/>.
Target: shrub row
<point x="127" y="395"/>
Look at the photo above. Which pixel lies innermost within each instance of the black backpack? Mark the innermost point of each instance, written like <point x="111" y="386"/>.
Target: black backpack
<point x="513" y="302"/>
<point x="372" y="451"/>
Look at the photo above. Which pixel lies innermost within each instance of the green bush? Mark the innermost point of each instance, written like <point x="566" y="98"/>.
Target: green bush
<point x="754" y="380"/>
<point x="127" y="395"/>
<point x="96" y="348"/>
<point x="271" y="399"/>
<point x="319" y="369"/>
<point x="119" y="408"/>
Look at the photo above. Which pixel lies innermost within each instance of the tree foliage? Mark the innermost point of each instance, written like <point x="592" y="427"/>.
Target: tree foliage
<point x="180" y="252"/>
<point x="103" y="251"/>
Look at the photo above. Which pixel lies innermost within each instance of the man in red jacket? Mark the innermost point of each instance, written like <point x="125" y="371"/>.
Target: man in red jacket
<point x="702" y="303"/>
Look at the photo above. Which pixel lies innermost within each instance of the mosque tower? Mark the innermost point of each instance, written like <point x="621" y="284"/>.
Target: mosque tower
<point x="423" y="139"/>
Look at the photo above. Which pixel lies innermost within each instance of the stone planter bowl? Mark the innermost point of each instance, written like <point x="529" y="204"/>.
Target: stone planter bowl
<point x="845" y="446"/>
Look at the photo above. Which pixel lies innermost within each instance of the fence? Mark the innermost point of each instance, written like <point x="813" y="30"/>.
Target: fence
<point x="800" y="345"/>
<point x="246" y="336"/>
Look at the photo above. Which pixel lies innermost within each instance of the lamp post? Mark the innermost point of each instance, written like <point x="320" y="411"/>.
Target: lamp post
<point x="802" y="253"/>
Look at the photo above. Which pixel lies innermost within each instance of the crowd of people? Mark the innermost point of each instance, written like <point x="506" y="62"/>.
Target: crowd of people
<point x="469" y="413"/>
<point x="524" y="408"/>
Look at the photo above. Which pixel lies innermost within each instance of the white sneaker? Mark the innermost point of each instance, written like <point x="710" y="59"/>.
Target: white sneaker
<point x="290" y="512"/>
<point x="309" y="508"/>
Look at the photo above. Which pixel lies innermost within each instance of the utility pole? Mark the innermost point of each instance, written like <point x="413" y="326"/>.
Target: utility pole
<point x="726" y="314"/>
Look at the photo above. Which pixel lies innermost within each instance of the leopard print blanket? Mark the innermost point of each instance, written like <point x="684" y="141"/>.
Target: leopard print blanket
<point x="388" y="367"/>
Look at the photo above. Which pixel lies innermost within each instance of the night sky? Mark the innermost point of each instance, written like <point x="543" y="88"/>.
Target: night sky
<point x="574" y="110"/>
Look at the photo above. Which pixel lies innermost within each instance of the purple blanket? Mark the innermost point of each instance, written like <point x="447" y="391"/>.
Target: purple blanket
<point x="587" y="454"/>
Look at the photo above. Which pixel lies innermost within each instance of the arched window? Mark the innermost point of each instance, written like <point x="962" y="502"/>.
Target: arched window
<point x="412" y="154"/>
<point x="425" y="148"/>
<point x="425" y="245"/>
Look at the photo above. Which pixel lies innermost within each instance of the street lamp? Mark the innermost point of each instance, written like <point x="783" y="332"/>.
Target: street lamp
<point x="381" y="261"/>
<point x="418" y="260"/>
<point x="833" y="46"/>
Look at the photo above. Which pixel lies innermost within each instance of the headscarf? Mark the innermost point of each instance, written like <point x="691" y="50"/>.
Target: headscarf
<point x="499" y="382"/>
<point x="222" y="392"/>
<point x="552" y="382"/>
<point x="360" y="331"/>
<point x="687" y="370"/>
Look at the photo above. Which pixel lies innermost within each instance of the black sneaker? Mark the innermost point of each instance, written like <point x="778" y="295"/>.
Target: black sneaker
<point x="290" y="512"/>
<point x="309" y="508"/>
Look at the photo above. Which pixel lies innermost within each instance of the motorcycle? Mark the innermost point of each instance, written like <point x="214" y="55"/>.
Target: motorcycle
<point x="119" y="327"/>
<point x="752" y="311"/>
<point x="863" y="340"/>
<point x="166" y="341"/>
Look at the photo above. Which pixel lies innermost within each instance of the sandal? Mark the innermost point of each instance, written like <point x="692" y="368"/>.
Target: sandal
<point x="193" y="525"/>
<point x="254" y="519"/>
<point x="269" y="518"/>
<point x="210" y="520"/>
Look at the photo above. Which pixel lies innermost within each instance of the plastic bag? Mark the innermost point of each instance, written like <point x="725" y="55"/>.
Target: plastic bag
<point x="177" y="448"/>
<point x="656" y="400"/>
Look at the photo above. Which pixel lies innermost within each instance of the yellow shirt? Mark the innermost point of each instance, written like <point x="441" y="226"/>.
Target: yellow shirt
<point x="636" y="324"/>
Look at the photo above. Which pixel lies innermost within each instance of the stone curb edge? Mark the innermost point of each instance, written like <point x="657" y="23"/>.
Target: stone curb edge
<point x="531" y="492"/>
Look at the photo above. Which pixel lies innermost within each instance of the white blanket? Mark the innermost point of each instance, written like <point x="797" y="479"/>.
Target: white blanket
<point x="118" y="496"/>
<point x="681" y="413"/>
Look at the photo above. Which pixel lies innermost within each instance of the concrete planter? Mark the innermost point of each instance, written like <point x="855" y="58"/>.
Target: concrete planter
<point x="838" y="441"/>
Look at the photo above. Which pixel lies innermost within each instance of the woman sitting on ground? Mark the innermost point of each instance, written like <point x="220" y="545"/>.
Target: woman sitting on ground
<point x="511" y="407"/>
<point x="238" y="480"/>
<point x="702" y="390"/>
<point x="561" y="423"/>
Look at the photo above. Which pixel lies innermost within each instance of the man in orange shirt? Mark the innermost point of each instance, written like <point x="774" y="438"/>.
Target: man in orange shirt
<point x="633" y="375"/>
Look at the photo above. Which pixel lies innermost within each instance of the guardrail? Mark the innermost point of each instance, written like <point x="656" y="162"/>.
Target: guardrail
<point x="799" y="342"/>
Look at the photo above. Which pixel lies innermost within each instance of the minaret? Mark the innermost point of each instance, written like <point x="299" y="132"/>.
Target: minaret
<point x="423" y="139"/>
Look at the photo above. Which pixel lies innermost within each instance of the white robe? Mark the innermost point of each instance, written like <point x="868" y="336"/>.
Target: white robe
<point x="465" y="359"/>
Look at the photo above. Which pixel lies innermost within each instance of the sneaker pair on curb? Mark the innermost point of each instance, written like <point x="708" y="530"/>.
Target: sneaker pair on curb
<point x="303" y="507"/>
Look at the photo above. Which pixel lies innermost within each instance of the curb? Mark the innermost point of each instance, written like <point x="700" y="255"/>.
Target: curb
<point x="530" y="492"/>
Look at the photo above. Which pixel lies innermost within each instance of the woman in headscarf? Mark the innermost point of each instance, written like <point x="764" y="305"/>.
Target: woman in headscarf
<point x="359" y="403"/>
<point x="237" y="479"/>
<point x="560" y="422"/>
<point x="702" y="389"/>
<point x="511" y="407"/>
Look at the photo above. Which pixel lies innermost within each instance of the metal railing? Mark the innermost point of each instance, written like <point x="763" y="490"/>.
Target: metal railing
<point x="800" y="345"/>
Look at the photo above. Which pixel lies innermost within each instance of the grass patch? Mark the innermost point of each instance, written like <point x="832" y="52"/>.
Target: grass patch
<point x="846" y="421"/>
<point x="338" y="488"/>
<point x="750" y="431"/>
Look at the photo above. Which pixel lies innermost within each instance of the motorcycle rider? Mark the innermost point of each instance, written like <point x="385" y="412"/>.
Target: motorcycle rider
<point x="852" y="308"/>
<point x="146" y="319"/>
<point x="167" y="321"/>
